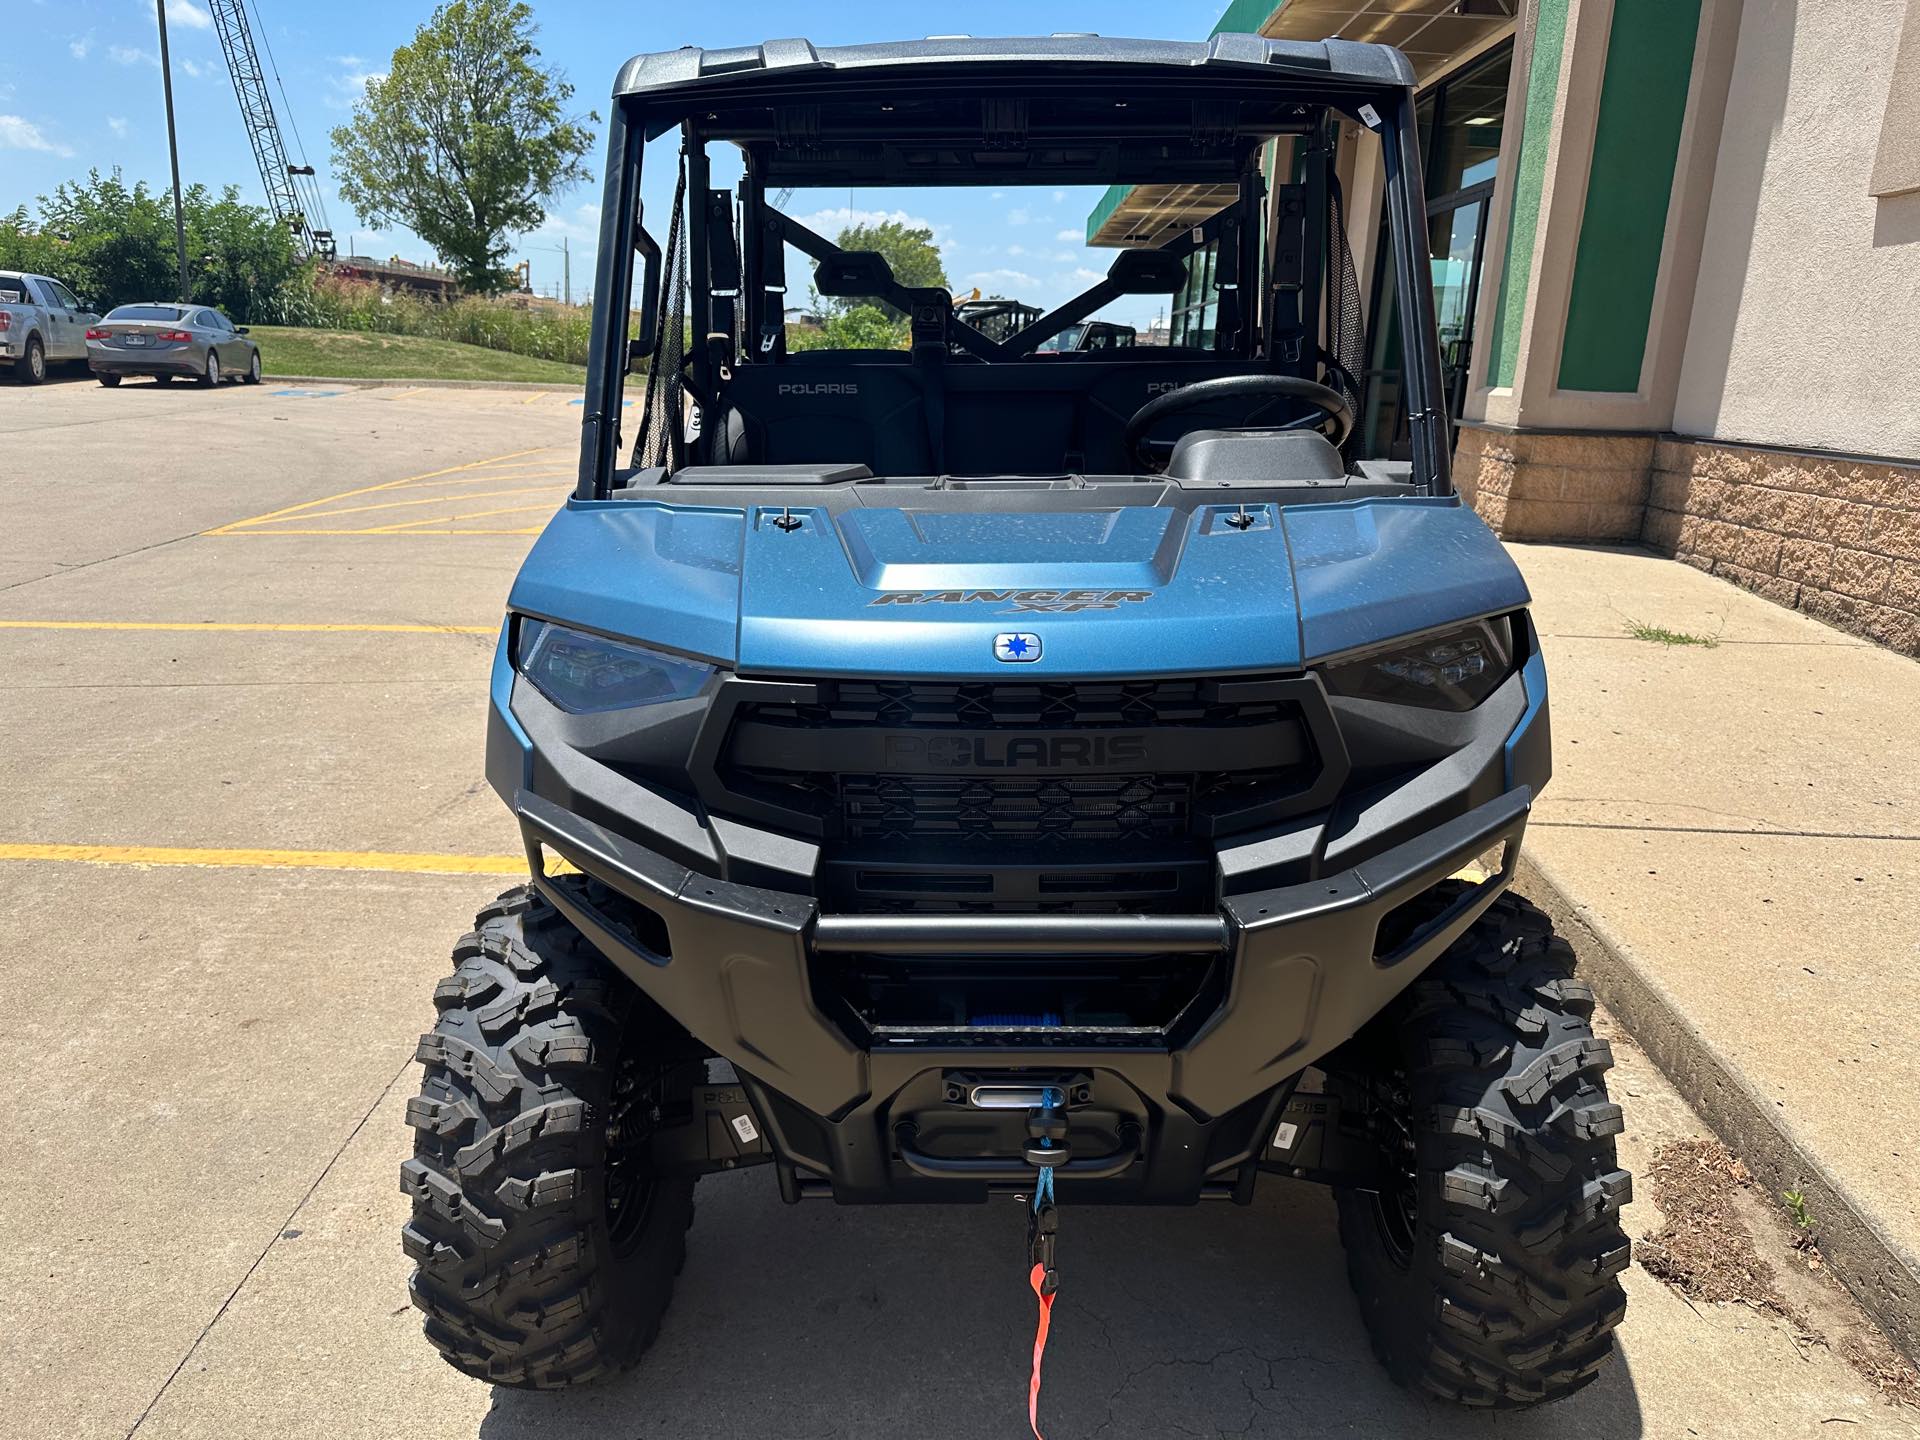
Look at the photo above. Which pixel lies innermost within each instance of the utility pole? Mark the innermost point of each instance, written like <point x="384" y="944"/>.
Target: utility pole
<point x="566" y="268"/>
<point x="173" y="148"/>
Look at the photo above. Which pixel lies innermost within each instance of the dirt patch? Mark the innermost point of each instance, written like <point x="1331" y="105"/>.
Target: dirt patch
<point x="1704" y="1249"/>
<point x="1722" y="1241"/>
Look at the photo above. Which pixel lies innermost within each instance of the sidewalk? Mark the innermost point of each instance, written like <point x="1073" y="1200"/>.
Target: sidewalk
<point x="1732" y="836"/>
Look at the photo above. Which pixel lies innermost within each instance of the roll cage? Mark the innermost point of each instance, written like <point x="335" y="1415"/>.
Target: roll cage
<point x="1066" y="110"/>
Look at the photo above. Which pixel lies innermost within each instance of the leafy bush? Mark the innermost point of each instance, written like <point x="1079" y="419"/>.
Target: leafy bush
<point x="862" y="327"/>
<point x="113" y="244"/>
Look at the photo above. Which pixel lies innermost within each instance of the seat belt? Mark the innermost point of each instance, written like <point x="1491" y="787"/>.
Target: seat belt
<point x="723" y="282"/>
<point x="773" y="295"/>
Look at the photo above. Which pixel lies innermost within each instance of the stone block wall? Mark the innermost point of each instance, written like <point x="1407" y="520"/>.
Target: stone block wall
<point x="1836" y="538"/>
<point x="1545" y="485"/>
<point x="1839" y="539"/>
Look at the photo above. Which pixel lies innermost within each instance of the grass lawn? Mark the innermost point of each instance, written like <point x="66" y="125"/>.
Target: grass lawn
<point x="356" y="355"/>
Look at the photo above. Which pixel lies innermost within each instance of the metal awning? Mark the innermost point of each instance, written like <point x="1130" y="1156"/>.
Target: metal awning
<point x="1431" y="33"/>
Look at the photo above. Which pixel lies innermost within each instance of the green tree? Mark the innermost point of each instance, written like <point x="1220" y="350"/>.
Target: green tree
<point x="465" y="140"/>
<point x="112" y="243"/>
<point x="910" y="253"/>
<point x="238" y="257"/>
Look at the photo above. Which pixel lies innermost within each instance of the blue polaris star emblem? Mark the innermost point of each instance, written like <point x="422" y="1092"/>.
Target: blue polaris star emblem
<point x="1016" y="649"/>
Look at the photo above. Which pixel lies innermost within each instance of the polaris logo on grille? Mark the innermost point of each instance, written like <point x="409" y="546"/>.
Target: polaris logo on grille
<point x="816" y="387"/>
<point x="911" y="753"/>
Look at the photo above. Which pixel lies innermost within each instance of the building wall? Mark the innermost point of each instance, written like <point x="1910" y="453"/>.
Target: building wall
<point x="1807" y="304"/>
<point x="1837" y="538"/>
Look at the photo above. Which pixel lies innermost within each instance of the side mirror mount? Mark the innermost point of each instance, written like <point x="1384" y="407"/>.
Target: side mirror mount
<point x="854" y="275"/>
<point x="239" y="329"/>
<point x="1147" y="272"/>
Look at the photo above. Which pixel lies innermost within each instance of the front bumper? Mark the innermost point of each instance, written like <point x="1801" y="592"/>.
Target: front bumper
<point x="1303" y="967"/>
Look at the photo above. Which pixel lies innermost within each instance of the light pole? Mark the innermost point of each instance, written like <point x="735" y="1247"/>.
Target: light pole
<point x="173" y="148"/>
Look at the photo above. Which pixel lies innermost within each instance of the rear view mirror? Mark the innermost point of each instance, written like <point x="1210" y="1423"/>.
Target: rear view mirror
<point x="239" y="329"/>
<point x="1147" y="272"/>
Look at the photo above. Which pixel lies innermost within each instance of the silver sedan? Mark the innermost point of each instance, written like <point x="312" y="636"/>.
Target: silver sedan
<point x="167" y="340"/>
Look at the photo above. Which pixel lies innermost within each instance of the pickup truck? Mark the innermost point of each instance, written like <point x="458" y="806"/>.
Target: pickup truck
<point x="41" y="322"/>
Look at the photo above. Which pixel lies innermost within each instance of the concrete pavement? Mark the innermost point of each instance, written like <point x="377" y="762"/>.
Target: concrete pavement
<point x="202" y="1123"/>
<point x="1733" y="832"/>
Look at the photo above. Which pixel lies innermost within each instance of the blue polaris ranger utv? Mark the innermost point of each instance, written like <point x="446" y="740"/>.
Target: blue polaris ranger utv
<point x="956" y="770"/>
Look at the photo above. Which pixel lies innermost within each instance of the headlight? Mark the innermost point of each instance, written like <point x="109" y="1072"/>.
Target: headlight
<point x="583" y="673"/>
<point x="1454" y="670"/>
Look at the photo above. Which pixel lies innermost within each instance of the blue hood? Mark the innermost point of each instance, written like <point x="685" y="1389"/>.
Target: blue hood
<point x="1128" y="590"/>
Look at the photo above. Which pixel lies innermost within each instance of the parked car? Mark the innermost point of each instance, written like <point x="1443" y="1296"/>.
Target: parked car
<point x="41" y="322"/>
<point x="164" y="340"/>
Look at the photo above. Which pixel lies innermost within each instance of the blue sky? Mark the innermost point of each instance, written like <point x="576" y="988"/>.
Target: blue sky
<point x="80" y="88"/>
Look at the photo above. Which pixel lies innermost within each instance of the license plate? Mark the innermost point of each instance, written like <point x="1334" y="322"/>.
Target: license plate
<point x="134" y="339"/>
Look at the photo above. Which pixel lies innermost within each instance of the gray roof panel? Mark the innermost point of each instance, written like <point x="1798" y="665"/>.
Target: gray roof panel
<point x="1326" y="61"/>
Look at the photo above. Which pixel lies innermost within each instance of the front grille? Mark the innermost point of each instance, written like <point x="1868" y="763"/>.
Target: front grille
<point x="1042" y="811"/>
<point x="1096" y="795"/>
<point x="1065" y="705"/>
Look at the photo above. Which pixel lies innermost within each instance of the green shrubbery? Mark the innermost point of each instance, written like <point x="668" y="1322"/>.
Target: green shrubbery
<point x="323" y="301"/>
<point x="113" y="244"/>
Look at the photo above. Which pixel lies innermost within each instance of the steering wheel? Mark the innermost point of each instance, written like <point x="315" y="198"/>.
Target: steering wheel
<point x="1330" y="406"/>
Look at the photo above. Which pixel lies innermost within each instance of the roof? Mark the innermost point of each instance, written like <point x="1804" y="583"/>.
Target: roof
<point x="1325" y="61"/>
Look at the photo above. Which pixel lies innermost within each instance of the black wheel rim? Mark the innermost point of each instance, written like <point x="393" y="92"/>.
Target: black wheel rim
<point x="1396" y="1205"/>
<point x="639" y="1093"/>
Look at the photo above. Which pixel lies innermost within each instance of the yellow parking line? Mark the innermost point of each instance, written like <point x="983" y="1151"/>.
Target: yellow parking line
<point x="249" y="626"/>
<point x="386" y="861"/>
<point x="387" y="534"/>
<point x="423" y="500"/>
<point x="233" y="525"/>
<point x="403" y="526"/>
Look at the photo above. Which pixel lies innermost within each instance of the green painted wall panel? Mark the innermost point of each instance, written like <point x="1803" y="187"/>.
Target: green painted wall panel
<point x="1246" y="17"/>
<point x="1529" y="177"/>
<point x="1636" y="143"/>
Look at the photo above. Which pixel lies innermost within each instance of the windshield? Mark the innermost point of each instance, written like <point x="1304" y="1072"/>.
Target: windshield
<point x="993" y="276"/>
<point x="145" y="312"/>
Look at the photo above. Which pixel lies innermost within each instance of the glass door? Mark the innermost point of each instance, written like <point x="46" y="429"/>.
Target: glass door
<point x="1456" y="233"/>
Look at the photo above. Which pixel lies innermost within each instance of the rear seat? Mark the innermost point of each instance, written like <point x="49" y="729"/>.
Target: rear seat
<point x="1046" y="415"/>
<point x="857" y="409"/>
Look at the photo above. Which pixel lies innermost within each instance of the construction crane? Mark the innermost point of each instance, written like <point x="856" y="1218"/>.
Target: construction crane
<point x="298" y="206"/>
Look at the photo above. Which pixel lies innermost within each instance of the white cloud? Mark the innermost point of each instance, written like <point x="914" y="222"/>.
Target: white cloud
<point x="348" y="86"/>
<point x="1070" y="236"/>
<point x="1059" y="197"/>
<point x="1016" y="249"/>
<point x="1002" y="279"/>
<point x="80" y="45"/>
<point x="20" y="134"/>
<point x="131" y="55"/>
<point x="1083" y="276"/>
<point x="1019" y="217"/>
<point x="185" y="12"/>
<point x="831" y="222"/>
<point x="196" y="69"/>
<point x="117" y="124"/>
